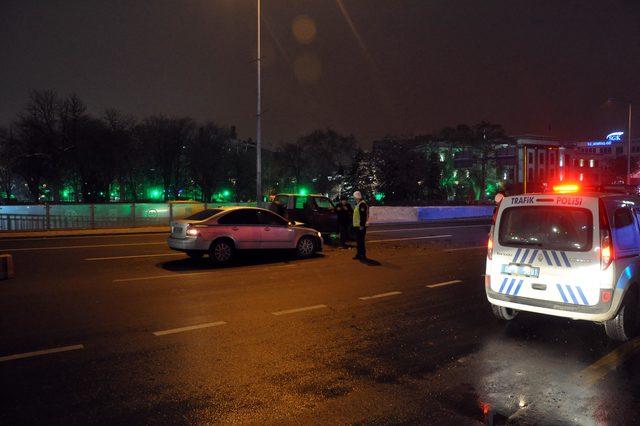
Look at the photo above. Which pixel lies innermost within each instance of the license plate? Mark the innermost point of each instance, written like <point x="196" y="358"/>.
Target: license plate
<point x="521" y="270"/>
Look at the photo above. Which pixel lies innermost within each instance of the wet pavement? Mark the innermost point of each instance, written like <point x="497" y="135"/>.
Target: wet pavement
<point x="135" y="334"/>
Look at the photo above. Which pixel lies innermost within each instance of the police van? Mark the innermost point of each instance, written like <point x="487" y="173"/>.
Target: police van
<point x="569" y="253"/>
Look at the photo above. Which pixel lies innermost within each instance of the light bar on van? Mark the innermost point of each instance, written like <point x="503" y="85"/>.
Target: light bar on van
<point x="566" y="188"/>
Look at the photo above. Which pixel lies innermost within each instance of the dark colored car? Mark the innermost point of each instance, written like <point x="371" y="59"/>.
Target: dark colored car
<point x="315" y="211"/>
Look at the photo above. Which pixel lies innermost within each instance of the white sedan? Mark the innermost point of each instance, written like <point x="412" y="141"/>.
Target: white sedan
<point x="221" y="232"/>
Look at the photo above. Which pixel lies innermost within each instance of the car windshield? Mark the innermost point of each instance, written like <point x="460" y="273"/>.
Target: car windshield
<point x="204" y="214"/>
<point x="554" y="228"/>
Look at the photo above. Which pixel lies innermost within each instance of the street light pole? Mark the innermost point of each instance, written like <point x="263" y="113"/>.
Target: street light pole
<point x="629" y="146"/>
<point x="259" y="115"/>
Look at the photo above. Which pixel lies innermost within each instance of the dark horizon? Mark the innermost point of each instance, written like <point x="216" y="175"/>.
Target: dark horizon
<point x="404" y="68"/>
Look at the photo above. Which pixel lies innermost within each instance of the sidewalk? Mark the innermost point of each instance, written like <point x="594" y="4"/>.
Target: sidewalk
<point x="84" y="232"/>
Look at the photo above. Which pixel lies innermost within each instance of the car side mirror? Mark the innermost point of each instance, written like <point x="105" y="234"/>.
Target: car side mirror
<point x="292" y="223"/>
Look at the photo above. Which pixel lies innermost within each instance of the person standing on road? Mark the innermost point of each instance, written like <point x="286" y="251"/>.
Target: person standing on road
<point x="360" y="217"/>
<point x="345" y="218"/>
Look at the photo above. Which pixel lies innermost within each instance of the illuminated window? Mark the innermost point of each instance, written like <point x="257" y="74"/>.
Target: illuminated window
<point x="582" y="162"/>
<point x="581" y="177"/>
<point x="591" y="162"/>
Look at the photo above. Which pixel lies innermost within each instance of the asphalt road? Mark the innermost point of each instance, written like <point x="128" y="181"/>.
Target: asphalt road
<point x="118" y="329"/>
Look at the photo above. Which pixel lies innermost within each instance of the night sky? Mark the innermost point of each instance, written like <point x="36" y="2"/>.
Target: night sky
<point x="403" y="67"/>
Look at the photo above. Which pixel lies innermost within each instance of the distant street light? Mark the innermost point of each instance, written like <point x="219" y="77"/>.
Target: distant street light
<point x="628" y="103"/>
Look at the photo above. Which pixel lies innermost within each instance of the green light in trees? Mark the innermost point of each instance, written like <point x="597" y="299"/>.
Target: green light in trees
<point x="154" y="193"/>
<point x="304" y="191"/>
<point x="226" y="193"/>
<point x="379" y="196"/>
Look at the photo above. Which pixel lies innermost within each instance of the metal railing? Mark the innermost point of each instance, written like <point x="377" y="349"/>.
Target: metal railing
<point x="90" y="216"/>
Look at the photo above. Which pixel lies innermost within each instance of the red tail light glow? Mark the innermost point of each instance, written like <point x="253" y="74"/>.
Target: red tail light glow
<point x="606" y="250"/>
<point x="605" y="296"/>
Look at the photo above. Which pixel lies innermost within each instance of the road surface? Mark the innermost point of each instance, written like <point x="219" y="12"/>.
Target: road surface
<point x="118" y="329"/>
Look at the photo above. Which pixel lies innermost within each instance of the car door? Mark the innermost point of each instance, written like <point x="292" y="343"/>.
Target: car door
<point x="275" y="232"/>
<point x="325" y="218"/>
<point x="244" y="226"/>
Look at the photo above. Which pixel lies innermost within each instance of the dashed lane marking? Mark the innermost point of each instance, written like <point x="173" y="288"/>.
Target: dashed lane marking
<point x="610" y="361"/>
<point x="189" y="328"/>
<point x="445" y="283"/>
<point x="296" y="310"/>
<point x="225" y="272"/>
<point x="90" y="259"/>
<point x="409" y="239"/>
<point x="41" y="352"/>
<point x="378" y="296"/>
<point x="82" y="247"/>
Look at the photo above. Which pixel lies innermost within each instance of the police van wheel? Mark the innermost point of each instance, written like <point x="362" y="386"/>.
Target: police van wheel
<point x="504" y="314"/>
<point x="625" y="324"/>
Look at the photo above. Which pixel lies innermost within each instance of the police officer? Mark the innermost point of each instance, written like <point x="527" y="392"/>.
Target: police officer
<point x="360" y="217"/>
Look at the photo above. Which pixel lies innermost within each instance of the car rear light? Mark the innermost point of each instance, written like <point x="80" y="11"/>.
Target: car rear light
<point x="487" y="281"/>
<point x="191" y="231"/>
<point x="490" y="246"/>
<point x="605" y="296"/>
<point x="606" y="249"/>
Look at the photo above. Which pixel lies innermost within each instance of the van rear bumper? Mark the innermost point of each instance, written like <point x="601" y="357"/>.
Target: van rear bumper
<point x="598" y="313"/>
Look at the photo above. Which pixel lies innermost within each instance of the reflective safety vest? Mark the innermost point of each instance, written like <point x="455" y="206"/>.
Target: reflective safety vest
<point x="356" y="215"/>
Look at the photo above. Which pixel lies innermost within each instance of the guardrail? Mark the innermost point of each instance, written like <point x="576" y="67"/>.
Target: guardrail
<point x="90" y="216"/>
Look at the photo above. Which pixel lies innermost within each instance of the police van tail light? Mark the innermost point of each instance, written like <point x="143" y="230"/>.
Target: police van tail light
<point x="490" y="246"/>
<point x="606" y="246"/>
<point x="606" y="249"/>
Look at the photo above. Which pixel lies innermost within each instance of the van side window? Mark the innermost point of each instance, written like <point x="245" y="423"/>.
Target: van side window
<point x="625" y="232"/>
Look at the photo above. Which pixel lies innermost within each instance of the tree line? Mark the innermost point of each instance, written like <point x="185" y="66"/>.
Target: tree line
<point x="56" y="151"/>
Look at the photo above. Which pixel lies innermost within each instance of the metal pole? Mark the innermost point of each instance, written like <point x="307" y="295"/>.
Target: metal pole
<point x="524" y="170"/>
<point x="258" y="116"/>
<point x="629" y="147"/>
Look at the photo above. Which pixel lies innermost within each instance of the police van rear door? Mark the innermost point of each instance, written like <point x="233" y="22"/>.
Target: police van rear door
<point x="545" y="249"/>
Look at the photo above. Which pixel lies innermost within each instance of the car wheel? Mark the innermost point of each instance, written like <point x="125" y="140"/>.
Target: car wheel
<point x="195" y="254"/>
<point x="221" y="252"/>
<point x="306" y="247"/>
<point x="624" y="325"/>
<point x="504" y="314"/>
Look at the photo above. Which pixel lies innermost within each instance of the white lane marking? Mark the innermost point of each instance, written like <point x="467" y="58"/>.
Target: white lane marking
<point x="134" y="256"/>
<point x="80" y="247"/>
<point x="86" y="237"/>
<point x="293" y="311"/>
<point x="265" y="268"/>
<point x="427" y="229"/>
<point x="41" y="352"/>
<point x="442" y="284"/>
<point x="410" y="238"/>
<point x="378" y="296"/>
<point x="465" y="248"/>
<point x="189" y="328"/>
